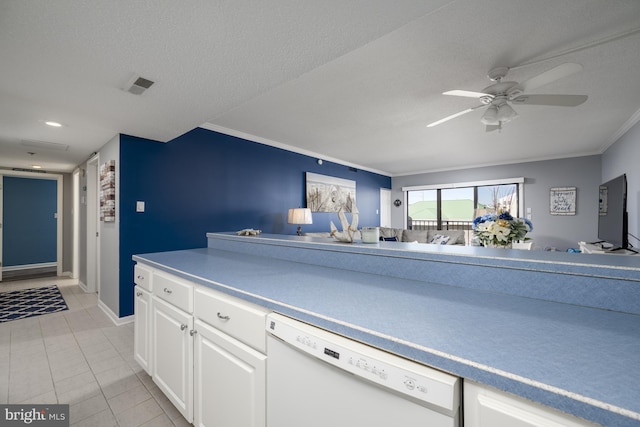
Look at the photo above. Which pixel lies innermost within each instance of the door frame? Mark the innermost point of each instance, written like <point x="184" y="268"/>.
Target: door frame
<point x="59" y="210"/>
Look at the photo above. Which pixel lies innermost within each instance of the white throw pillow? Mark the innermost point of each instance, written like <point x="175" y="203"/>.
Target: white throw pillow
<point x="439" y="239"/>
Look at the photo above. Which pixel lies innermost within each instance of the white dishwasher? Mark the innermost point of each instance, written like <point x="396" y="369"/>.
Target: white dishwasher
<point x="316" y="378"/>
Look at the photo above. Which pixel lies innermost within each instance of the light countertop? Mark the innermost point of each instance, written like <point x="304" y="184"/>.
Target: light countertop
<point x="581" y="360"/>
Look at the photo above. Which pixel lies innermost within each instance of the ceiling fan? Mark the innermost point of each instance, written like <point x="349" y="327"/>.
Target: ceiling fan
<point x="497" y="97"/>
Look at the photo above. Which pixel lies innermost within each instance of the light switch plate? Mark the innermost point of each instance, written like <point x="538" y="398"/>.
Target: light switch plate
<point x="139" y="206"/>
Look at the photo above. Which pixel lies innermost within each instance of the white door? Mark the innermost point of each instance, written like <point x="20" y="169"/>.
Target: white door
<point x="142" y="328"/>
<point x="229" y="379"/>
<point x="93" y="237"/>
<point x="172" y="355"/>
<point x="385" y="207"/>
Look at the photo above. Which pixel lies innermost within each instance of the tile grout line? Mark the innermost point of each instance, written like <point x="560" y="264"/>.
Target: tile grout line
<point x="81" y="317"/>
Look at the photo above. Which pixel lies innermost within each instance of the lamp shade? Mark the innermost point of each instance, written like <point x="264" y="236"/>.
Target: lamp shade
<point x="299" y="216"/>
<point x="490" y="116"/>
<point x="506" y="113"/>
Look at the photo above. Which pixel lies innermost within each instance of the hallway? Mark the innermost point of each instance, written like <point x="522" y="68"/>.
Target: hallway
<point x="79" y="357"/>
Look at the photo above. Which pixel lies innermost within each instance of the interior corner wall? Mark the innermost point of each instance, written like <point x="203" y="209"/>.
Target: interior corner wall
<point x="204" y="181"/>
<point x="623" y="157"/>
<point x="550" y="231"/>
<point x="110" y="237"/>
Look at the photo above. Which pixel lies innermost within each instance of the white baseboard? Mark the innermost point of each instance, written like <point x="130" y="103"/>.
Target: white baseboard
<point x="118" y="321"/>
<point x="30" y="266"/>
<point x="83" y="286"/>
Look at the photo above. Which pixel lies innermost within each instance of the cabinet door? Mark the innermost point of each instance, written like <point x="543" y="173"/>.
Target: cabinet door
<point x="487" y="407"/>
<point x="229" y="381"/>
<point x="172" y="355"/>
<point x="142" y="328"/>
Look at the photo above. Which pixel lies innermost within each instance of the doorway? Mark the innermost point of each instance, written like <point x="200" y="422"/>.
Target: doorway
<point x="29" y="259"/>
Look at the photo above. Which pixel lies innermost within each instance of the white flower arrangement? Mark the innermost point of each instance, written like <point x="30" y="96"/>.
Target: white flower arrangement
<point x="500" y="229"/>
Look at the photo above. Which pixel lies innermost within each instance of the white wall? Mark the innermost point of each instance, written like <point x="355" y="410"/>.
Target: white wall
<point x="624" y="157"/>
<point x="561" y="232"/>
<point x="110" y="237"/>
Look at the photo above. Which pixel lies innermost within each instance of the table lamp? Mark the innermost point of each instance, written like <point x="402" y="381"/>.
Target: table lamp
<point x="299" y="216"/>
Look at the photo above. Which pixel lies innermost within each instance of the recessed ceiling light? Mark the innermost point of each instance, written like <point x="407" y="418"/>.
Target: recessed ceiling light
<point x="36" y="166"/>
<point x="53" y="124"/>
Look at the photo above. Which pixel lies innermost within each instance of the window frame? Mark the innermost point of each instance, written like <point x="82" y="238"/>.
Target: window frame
<point x="519" y="181"/>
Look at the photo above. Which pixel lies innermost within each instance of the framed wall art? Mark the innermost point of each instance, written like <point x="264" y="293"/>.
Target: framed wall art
<point x="328" y="193"/>
<point x="563" y="201"/>
<point x="108" y="191"/>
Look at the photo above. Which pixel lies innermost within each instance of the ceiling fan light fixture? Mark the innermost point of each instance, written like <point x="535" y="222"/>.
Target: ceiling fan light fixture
<point x="506" y="113"/>
<point x="490" y="117"/>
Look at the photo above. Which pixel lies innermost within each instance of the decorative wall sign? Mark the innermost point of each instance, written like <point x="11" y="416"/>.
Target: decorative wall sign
<point x="328" y="194"/>
<point x="563" y="201"/>
<point x="108" y="191"/>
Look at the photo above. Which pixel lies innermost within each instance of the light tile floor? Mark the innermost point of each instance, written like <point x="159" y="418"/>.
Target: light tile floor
<point x="81" y="358"/>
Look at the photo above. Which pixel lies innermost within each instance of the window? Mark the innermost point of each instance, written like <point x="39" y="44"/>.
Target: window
<point x="454" y="206"/>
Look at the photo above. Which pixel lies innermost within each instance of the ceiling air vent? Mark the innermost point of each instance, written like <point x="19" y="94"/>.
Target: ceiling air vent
<point x="137" y="85"/>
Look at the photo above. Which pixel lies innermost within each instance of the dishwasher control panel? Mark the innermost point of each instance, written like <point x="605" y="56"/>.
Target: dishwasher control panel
<point x="426" y="384"/>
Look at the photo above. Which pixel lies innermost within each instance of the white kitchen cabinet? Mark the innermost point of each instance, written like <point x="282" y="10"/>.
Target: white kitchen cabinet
<point x="172" y="355"/>
<point x="229" y="381"/>
<point x="204" y="349"/>
<point x="230" y="365"/>
<point x="488" y="407"/>
<point x="142" y="331"/>
<point x="143" y="279"/>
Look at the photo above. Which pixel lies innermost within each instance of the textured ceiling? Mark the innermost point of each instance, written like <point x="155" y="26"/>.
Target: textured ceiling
<point x="355" y="81"/>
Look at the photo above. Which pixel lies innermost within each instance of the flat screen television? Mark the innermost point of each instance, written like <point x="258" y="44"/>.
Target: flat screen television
<point x="612" y="219"/>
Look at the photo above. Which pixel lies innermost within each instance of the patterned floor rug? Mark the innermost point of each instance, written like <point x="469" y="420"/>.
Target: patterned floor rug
<point x="30" y="302"/>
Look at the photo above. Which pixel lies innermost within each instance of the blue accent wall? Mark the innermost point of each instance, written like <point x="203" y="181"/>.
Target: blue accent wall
<point x="206" y="181"/>
<point x="29" y="226"/>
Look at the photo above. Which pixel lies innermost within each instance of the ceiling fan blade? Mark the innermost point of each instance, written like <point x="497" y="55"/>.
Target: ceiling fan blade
<point x="467" y="93"/>
<point x="453" y="116"/>
<point x="549" y="76"/>
<point x="491" y="128"/>
<point x="555" y="100"/>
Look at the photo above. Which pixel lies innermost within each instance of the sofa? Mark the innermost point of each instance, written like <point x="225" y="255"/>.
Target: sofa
<point x="440" y="237"/>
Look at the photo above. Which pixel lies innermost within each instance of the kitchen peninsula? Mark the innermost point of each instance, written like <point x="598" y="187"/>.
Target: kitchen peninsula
<point x="559" y="329"/>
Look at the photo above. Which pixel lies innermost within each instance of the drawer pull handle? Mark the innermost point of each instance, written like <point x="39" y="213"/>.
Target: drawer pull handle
<point x="140" y="277"/>
<point x="167" y="290"/>
<point x="221" y="317"/>
<point x="193" y="332"/>
<point x="139" y="294"/>
<point x="183" y="327"/>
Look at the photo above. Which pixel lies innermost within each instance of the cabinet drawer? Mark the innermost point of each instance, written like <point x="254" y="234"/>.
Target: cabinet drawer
<point x="240" y="319"/>
<point x="173" y="290"/>
<point x="142" y="277"/>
